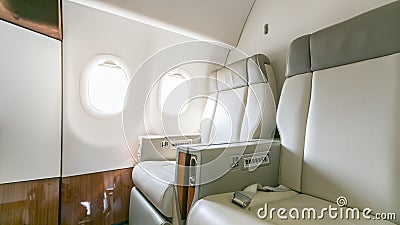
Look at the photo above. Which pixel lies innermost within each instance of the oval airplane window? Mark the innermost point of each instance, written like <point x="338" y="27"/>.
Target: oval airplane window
<point x="104" y="86"/>
<point x="173" y="92"/>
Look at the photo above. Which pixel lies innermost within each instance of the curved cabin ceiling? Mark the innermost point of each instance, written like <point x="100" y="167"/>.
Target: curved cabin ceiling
<point x="221" y="20"/>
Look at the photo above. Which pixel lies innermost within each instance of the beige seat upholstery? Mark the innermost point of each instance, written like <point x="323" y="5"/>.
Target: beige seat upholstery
<point x="339" y="121"/>
<point x="240" y="107"/>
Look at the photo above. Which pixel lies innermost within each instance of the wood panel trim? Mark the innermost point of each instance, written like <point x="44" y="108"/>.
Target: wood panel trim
<point x="191" y="191"/>
<point x="183" y="162"/>
<point x="30" y="202"/>
<point x="37" y="202"/>
<point x="106" y="195"/>
<point x="51" y="30"/>
<point x="186" y="192"/>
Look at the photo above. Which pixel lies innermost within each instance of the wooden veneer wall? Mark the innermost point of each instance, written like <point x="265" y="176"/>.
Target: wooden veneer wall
<point x="98" y="199"/>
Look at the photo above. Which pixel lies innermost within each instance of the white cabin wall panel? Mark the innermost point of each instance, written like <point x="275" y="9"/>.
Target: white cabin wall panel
<point x="94" y="144"/>
<point x="290" y="19"/>
<point x="30" y="99"/>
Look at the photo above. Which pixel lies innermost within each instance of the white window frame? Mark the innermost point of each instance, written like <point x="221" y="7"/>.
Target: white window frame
<point x="84" y="84"/>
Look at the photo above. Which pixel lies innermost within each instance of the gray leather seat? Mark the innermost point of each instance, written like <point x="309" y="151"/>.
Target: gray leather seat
<point x="339" y="121"/>
<point x="240" y="107"/>
<point x="155" y="180"/>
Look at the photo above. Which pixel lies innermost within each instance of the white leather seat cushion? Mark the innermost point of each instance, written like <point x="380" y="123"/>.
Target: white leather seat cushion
<point x="352" y="138"/>
<point x="218" y="209"/>
<point x="155" y="180"/>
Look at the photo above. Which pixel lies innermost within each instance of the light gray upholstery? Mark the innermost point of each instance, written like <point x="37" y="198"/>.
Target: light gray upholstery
<point x="143" y="210"/>
<point x="339" y="124"/>
<point x="352" y="136"/>
<point x="299" y="60"/>
<point x="216" y="174"/>
<point x="155" y="180"/>
<point x="241" y="104"/>
<point x="292" y="119"/>
<point x="228" y="115"/>
<point x="351" y="41"/>
<point x="240" y="107"/>
<point x="218" y="209"/>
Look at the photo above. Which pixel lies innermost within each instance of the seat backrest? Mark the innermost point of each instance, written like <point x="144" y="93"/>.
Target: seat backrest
<point x="339" y="112"/>
<point x="241" y="103"/>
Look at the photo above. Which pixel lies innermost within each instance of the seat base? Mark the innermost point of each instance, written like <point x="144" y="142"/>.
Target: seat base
<point x="141" y="212"/>
<point x="218" y="209"/>
<point x="155" y="180"/>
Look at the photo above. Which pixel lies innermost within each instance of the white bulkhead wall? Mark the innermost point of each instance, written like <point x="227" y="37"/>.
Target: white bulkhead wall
<point x="30" y="105"/>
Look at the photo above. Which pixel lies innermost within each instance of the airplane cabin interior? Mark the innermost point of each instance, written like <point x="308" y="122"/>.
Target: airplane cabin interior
<point x="184" y="112"/>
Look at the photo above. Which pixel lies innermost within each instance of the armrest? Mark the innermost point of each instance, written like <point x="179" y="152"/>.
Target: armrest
<point x="163" y="147"/>
<point x="220" y="168"/>
<point x="259" y="143"/>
